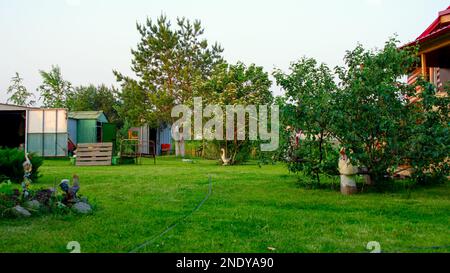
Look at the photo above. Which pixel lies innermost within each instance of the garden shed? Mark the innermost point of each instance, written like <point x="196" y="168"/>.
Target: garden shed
<point x="90" y="127"/>
<point x="37" y="130"/>
<point x="161" y="136"/>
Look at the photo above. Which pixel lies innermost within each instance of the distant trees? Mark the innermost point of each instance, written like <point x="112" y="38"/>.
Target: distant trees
<point x="54" y="90"/>
<point x="59" y="93"/>
<point x="95" y="98"/>
<point x="19" y="94"/>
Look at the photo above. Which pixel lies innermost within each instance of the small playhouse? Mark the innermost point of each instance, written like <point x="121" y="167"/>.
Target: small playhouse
<point x="36" y="130"/>
<point x="90" y="127"/>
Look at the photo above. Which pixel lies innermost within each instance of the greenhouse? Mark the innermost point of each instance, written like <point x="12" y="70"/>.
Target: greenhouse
<point x="37" y="130"/>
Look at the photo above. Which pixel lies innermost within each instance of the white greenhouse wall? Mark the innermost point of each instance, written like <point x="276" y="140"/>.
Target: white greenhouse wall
<point x="47" y="132"/>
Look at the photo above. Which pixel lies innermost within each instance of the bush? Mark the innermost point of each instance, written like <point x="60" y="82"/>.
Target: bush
<point x="211" y="150"/>
<point x="11" y="161"/>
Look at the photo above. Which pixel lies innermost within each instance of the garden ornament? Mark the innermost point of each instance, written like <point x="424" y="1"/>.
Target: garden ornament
<point x="75" y="186"/>
<point x="64" y="185"/>
<point x="226" y="161"/>
<point x="70" y="193"/>
<point x="27" y="169"/>
<point x="27" y="166"/>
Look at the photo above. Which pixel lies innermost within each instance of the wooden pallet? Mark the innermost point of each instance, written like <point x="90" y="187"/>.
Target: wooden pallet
<point x="94" y="154"/>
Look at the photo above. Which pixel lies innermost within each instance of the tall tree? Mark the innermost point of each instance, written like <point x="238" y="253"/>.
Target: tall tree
<point x="305" y="112"/>
<point x="18" y="92"/>
<point x="370" y="107"/>
<point x="236" y="84"/>
<point x="54" y="89"/>
<point x="427" y="144"/>
<point x="166" y="62"/>
<point x="369" y="114"/>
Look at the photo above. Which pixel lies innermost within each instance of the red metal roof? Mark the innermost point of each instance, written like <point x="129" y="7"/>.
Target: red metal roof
<point x="434" y="30"/>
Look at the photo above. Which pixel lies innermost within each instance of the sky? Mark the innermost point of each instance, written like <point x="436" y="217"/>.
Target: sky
<point x="90" y="38"/>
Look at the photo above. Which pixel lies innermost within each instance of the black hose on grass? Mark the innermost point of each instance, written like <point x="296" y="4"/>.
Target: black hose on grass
<point x="148" y="242"/>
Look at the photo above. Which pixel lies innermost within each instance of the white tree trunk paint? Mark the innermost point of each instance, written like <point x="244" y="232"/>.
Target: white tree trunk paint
<point x="177" y="148"/>
<point x="348" y="174"/>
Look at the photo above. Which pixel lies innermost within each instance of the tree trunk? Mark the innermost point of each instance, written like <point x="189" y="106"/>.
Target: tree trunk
<point x="203" y="148"/>
<point x="348" y="184"/>
<point x="182" y="150"/>
<point x="320" y="157"/>
<point x="177" y="148"/>
<point x="366" y="175"/>
<point x="368" y="180"/>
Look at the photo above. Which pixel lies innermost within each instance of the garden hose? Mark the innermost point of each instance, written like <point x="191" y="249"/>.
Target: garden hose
<point x="148" y="242"/>
<point x="176" y="223"/>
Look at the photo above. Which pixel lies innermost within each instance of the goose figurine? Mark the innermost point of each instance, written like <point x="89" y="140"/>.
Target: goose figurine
<point x="226" y="161"/>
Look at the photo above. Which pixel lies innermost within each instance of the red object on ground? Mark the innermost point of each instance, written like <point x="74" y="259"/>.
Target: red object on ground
<point x="165" y="148"/>
<point x="70" y="146"/>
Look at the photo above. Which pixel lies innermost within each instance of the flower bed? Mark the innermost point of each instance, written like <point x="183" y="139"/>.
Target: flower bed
<point x="15" y="204"/>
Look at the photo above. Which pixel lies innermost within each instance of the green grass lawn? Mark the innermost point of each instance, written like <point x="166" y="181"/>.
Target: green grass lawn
<point x="250" y="209"/>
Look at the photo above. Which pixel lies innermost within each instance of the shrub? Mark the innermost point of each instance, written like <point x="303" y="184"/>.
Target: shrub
<point x="11" y="161"/>
<point x="211" y="150"/>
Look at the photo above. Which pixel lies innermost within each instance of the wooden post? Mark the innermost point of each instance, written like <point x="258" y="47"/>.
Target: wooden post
<point x="424" y="67"/>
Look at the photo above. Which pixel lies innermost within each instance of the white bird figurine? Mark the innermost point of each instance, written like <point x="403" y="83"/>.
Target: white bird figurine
<point x="27" y="166"/>
<point x="226" y="161"/>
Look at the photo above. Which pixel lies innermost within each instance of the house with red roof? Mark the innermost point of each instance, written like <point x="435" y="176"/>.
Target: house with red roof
<point x="434" y="51"/>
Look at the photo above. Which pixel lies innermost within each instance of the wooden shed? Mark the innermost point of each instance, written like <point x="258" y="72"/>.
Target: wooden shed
<point x="161" y="136"/>
<point x="90" y="127"/>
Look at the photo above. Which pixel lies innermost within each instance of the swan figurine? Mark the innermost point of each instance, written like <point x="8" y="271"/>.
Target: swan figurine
<point x="226" y="161"/>
<point x="27" y="166"/>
